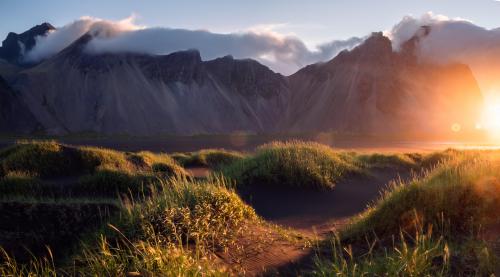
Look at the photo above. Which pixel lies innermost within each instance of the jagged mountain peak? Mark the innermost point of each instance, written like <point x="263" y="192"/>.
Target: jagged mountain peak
<point x="79" y="56"/>
<point x="15" y="45"/>
<point x="377" y="41"/>
<point x="373" y="88"/>
<point x="185" y="66"/>
<point x="409" y="49"/>
<point x="376" y="48"/>
<point x="42" y="28"/>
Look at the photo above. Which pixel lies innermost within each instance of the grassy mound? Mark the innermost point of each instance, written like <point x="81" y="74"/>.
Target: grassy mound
<point x="440" y="220"/>
<point x="47" y="168"/>
<point x="204" y="213"/>
<point x="405" y="160"/>
<point x="296" y="164"/>
<point x="174" y="232"/>
<point x="465" y="191"/>
<point x="212" y="158"/>
<point x="48" y="159"/>
<point x="43" y="159"/>
<point x="179" y="228"/>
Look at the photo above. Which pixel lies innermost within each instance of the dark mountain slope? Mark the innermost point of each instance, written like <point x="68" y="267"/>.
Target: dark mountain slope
<point x="368" y="90"/>
<point x="15" y="117"/>
<point x="144" y="94"/>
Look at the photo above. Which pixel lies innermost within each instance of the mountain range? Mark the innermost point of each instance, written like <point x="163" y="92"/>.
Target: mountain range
<point x="370" y="89"/>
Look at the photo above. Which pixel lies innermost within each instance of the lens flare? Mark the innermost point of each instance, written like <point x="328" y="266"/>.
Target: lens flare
<point x="456" y="127"/>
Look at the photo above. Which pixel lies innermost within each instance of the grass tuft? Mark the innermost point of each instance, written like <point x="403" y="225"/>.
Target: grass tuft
<point x="421" y="254"/>
<point x="175" y="231"/>
<point x="43" y="267"/>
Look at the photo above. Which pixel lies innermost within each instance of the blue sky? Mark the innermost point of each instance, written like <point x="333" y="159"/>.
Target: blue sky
<point x="313" y="21"/>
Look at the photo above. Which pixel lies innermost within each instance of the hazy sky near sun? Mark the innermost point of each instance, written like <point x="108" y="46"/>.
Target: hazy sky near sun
<point x="314" y="21"/>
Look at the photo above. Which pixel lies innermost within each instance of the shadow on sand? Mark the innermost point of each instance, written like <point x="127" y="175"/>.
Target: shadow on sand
<point x="317" y="213"/>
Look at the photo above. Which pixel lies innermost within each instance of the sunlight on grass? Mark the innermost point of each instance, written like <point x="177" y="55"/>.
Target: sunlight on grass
<point x="144" y="216"/>
<point x="293" y="164"/>
<point x="212" y="158"/>
<point x="458" y="200"/>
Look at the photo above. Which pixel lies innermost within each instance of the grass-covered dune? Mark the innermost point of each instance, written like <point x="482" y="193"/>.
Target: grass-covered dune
<point x="55" y="195"/>
<point x="34" y="166"/>
<point x="47" y="159"/>
<point x="51" y="193"/>
<point x="465" y="190"/>
<point x="211" y="158"/>
<point x="403" y="160"/>
<point x="317" y="166"/>
<point x="49" y="168"/>
<point x="177" y="231"/>
<point x="174" y="233"/>
<point x="441" y="224"/>
<point x="294" y="164"/>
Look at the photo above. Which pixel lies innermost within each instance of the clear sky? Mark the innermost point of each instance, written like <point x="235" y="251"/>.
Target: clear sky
<point x="314" y="21"/>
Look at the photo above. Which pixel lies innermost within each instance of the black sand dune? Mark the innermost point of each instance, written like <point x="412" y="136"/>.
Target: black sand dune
<point x="320" y="210"/>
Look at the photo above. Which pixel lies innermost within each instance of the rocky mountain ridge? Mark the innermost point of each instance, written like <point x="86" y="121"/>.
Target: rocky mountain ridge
<point x="370" y="89"/>
<point x="375" y="89"/>
<point x="16" y="45"/>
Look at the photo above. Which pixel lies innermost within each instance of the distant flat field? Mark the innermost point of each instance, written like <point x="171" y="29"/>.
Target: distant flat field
<point x="250" y="142"/>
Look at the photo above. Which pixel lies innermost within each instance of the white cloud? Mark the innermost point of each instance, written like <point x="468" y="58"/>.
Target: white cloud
<point x="455" y="40"/>
<point x="56" y="40"/>
<point x="284" y="53"/>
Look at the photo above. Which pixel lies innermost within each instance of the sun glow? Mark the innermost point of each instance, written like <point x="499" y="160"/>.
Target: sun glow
<point x="490" y="119"/>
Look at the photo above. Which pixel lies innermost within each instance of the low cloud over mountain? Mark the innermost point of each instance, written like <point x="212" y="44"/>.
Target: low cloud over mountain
<point x="284" y="54"/>
<point x="56" y="40"/>
<point x="450" y="40"/>
<point x="455" y="40"/>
